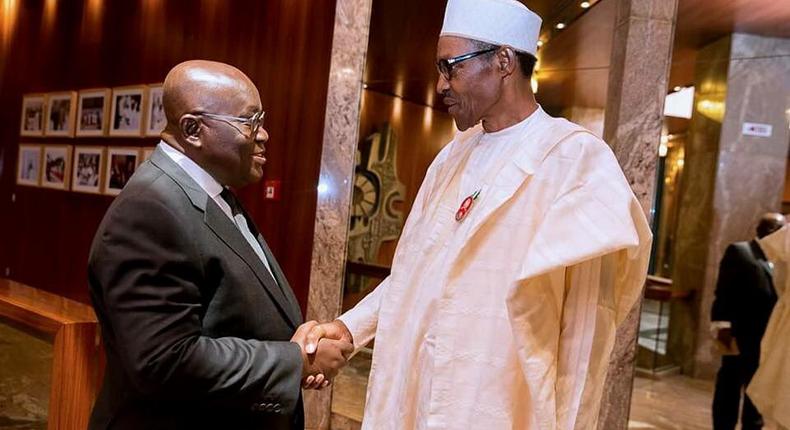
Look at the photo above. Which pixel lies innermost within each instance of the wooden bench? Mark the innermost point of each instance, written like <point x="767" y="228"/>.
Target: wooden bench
<point x="76" y="364"/>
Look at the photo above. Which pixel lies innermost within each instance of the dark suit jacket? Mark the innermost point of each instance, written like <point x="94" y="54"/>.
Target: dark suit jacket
<point x="745" y="294"/>
<point x="195" y="329"/>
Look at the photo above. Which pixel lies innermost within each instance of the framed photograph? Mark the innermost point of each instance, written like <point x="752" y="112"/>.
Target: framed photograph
<point x="56" y="167"/>
<point x="92" y="112"/>
<point x="155" y="112"/>
<point x="147" y="152"/>
<point x="88" y="169"/>
<point x="121" y="165"/>
<point x="29" y="165"/>
<point x="127" y="111"/>
<point x="61" y="109"/>
<point x="33" y="107"/>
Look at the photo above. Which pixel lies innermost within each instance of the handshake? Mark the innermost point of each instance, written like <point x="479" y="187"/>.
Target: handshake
<point x="326" y="349"/>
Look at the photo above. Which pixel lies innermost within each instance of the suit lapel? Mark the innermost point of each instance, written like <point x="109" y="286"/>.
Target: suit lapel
<point x="296" y="311"/>
<point x="228" y="233"/>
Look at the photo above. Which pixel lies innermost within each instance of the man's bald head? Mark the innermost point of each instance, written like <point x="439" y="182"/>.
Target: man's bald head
<point x="203" y="86"/>
<point x="214" y="117"/>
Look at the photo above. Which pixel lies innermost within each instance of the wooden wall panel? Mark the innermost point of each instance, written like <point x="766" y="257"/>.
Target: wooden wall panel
<point x="46" y="45"/>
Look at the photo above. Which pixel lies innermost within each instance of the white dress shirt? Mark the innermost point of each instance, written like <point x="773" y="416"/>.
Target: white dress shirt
<point x="214" y="189"/>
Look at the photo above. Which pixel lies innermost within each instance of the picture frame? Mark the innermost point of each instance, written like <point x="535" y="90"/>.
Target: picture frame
<point x="127" y="111"/>
<point x="89" y="168"/>
<point x="121" y="164"/>
<point x="28" y="170"/>
<point x="155" y="119"/>
<point x="56" y="167"/>
<point x="34" y="108"/>
<point x="93" y="109"/>
<point x="61" y="111"/>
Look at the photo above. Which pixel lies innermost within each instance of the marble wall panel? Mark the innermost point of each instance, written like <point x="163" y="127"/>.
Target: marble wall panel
<point x="349" y="46"/>
<point x="638" y="80"/>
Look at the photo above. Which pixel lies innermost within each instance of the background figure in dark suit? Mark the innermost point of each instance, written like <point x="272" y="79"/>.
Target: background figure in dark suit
<point x="199" y="323"/>
<point x="745" y="297"/>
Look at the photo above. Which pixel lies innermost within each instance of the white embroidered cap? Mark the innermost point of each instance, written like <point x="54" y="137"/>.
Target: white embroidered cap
<point x="498" y="22"/>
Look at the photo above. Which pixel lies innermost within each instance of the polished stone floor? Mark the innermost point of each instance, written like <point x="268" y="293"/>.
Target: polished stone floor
<point x="25" y="363"/>
<point x="673" y="402"/>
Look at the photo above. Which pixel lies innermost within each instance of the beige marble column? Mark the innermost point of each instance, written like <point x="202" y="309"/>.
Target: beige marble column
<point x="730" y="177"/>
<point x="341" y="129"/>
<point x="639" y="72"/>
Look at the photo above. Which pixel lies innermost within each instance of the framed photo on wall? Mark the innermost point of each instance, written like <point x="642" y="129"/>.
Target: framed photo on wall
<point x="28" y="171"/>
<point x="33" y="111"/>
<point x="121" y="165"/>
<point x="92" y="112"/>
<point x="127" y="114"/>
<point x="155" y="112"/>
<point x="56" y="165"/>
<point x="61" y="109"/>
<point x="88" y="169"/>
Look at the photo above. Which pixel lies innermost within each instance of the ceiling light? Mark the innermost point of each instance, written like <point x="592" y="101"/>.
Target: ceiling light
<point x="585" y="4"/>
<point x="678" y="88"/>
<point x="540" y="43"/>
<point x="560" y="25"/>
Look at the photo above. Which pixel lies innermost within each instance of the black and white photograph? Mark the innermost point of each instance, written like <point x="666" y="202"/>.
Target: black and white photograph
<point x="60" y="114"/>
<point x="33" y="107"/>
<point x="156" y="120"/>
<point x="92" y="112"/>
<point x="121" y="165"/>
<point x="56" y="165"/>
<point x="128" y="111"/>
<point x="29" y="166"/>
<point x="88" y="163"/>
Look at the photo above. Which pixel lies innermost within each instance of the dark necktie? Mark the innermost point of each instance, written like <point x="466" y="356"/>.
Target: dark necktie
<point x="245" y="226"/>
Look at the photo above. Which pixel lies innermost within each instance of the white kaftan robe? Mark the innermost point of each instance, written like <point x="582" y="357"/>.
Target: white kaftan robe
<point x="770" y="386"/>
<point x="506" y="320"/>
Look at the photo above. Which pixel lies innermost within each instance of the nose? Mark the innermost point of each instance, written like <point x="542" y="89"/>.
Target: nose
<point x="442" y="85"/>
<point x="262" y="135"/>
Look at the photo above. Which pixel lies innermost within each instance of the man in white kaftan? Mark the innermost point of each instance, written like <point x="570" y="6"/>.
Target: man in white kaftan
<point x="524" y="250"/>
<point x="770" y="386"/>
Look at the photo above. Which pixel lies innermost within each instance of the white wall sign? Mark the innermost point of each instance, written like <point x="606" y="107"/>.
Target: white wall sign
<point x="756" y="129"/>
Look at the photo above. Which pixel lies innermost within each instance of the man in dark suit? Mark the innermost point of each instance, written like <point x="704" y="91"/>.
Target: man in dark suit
<point x="198" y="320"/>
<point x="745" y="297"/>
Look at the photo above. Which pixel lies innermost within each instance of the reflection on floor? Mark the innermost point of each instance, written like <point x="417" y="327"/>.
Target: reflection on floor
<point x="24" y="380"/>
<point x="672" y="403"/>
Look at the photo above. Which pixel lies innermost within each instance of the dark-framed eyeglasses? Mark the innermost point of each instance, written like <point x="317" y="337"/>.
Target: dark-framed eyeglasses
<point x="445" y="66"/>
<point x="253" y="123"/>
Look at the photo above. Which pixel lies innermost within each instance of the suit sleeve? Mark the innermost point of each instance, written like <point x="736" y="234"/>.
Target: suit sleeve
<point x="149" y="272"/>
<point x="725" y="300"/>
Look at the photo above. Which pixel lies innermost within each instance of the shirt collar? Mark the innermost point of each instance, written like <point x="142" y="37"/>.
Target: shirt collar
<point x="197" y="173"/>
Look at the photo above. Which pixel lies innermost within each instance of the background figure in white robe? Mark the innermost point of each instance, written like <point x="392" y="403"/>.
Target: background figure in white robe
<point x="524" y="250"/>
<point x="770" y="387"/>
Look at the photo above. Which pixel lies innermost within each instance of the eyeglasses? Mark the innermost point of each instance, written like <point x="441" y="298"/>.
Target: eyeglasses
<point x="254" y="122"/>
<point x="445" y="66"/>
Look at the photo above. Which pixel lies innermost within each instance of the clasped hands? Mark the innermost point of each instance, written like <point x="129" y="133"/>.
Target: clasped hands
<point x="326" y="349"/>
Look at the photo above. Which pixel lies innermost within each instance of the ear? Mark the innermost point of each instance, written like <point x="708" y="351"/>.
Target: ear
<point x="506" y="61"/>
<point x="190" y="125"/>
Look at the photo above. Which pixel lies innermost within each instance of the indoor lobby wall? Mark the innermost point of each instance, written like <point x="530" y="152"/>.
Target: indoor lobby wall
<point x="730" y="178"/>
<point x="47" y="45"/>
